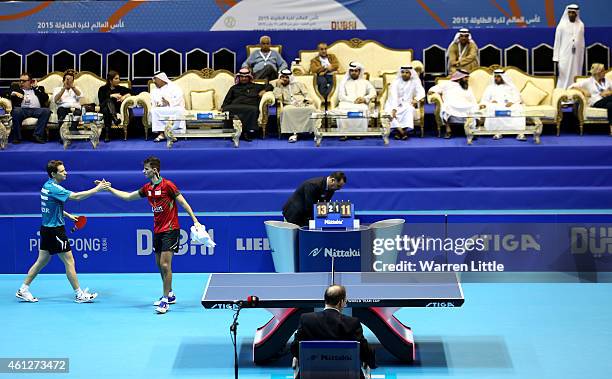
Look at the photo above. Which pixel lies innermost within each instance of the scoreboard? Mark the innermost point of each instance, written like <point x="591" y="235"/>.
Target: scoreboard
<point x="334" y="214"/>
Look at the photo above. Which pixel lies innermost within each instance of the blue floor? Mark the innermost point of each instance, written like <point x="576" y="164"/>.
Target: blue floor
<point x="510" y="330"/>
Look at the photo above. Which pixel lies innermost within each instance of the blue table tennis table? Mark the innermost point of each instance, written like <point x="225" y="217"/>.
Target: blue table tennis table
<point x="372" y="296"/>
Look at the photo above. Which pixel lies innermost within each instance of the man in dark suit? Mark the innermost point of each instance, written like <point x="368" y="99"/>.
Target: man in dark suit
<point x="331" y="325"/>
<point x="29" y="100"/>
<point x="298" y="208"/>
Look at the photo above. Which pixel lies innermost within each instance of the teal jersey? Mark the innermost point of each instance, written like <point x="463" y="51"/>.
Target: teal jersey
<point x="52" y="199"/>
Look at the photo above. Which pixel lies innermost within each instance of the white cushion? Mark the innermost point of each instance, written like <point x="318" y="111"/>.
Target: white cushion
<point x="596" y="113"/>
<point x="203" y="100"/>
<point x="532" y="95"/>
<point x="543" y="111"/>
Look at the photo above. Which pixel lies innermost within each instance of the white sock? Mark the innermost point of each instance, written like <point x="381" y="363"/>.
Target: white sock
<point x="78" y="291"/>
<point x="164" y="298"/>
<point x="24" y="288"/>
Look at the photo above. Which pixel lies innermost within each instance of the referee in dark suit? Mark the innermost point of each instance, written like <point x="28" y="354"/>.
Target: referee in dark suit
<point x="298" y="209"/>
<point x="331" y="325"/>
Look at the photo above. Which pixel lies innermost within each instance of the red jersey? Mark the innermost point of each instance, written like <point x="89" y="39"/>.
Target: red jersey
<point x="162" y="197"/>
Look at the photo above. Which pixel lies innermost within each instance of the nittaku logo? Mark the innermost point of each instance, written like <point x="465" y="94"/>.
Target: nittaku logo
<point x="84" y="246"/>
<point x="144" y="244"/>
<point x="329" y="357"/>
<point x="336" y="253"/>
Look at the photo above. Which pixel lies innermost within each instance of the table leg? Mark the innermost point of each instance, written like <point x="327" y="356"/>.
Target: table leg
<point x="237" y="131"/>
<point x="318" y="136"/>
<point x="396" y="337"/>
<point x="169" y="133"/>
<point x="272" y="338"/>
<point x="386" y="129"/>
<point x="469" y="134"/>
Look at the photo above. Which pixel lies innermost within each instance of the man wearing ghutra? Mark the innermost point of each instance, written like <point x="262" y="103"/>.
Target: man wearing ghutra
<point x="264" y="62"/>
<point x="404" y="94"/>
<point x="458" y="100"/>
<point x="167" y="101"/>
<point x="297" y="107"/>
<point x="462" y="53"/>
<point x="354" y="95"/>
<point x="243" y="99"/>
<point x="502" y="94"/>
<point x="568" y="51"/>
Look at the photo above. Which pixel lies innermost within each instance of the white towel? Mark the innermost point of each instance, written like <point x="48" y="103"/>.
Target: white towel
<point x="201" y="236"/>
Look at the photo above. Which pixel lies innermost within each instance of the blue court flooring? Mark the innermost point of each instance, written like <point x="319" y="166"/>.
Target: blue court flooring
<point x="504" y="330"/>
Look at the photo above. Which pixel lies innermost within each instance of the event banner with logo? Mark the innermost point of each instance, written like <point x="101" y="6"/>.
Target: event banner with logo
<point x="229" y="15"/>
<point x="526" y="243"/>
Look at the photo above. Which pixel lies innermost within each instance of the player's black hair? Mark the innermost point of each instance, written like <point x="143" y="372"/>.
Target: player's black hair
<point x="154" y="162"/>
<point x="335" y="294"/>
<point x="52" y="166"/>
<point x="339" y="176"/>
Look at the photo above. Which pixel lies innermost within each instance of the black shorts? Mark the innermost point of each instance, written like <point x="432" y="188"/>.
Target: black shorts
<point x="166" y="241"/>
<point x="53" y="239"/>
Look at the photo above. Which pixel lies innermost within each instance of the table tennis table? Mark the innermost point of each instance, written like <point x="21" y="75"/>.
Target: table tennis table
<point x="372" y="296"/>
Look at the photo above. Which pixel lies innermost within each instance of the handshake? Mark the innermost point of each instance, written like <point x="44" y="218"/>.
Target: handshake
<point x="102" y="185"/>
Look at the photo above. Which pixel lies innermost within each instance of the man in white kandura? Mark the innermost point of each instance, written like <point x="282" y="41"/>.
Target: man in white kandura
<point x="502" y="95"/>
<point x="297" y="105"/>
<point x="569" y="46"/>
<point x="405" y="92"/>
<point x="166" y="101"/>
<point x="458" y="100"/>
<point x="354" y="95"/>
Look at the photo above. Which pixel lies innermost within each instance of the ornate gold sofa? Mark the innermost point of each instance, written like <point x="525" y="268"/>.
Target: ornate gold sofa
<point x="585" y="113"/>
<point x="204" y="91"/>
<point x="88" y="83"/>
<point x="547" y="103"/>
<point x="375" y="57"/>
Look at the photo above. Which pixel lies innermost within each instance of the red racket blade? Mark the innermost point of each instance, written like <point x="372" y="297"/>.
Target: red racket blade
<point x="80" y="222"/>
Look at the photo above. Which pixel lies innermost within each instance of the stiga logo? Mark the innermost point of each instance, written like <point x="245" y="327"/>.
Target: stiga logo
<point x="443" y="304"/>
<point x="594" y="240"/>
<point x="336" y="253"/>
<point x="144" y="244"/>
<point x="84" y="246"/>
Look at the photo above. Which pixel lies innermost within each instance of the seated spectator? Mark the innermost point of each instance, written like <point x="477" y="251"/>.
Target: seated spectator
<point x="354" y="95"/>
<point x="502" y="94"/>
<point x="457" y="100"/>
<point x="404" y="94"/>
<point x="29" y="100"/>
<point x="242" y="100"/>
<point x="324" y="66"/>
<point x="331" y="325"/>
<point x="110" y="96"/>
<point x="462" y="53"/>
<point x="265" y="63"/>
<point x="297" y="109"/>
<point x="598" y="89"/>
<point x="166" y="101"/>
<point x="67" y="97"/>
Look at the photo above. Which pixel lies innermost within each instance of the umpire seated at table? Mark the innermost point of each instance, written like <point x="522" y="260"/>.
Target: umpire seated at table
<point x="331" y="325"/>
<point x="299" y="207"/>
<point x="29" y="100"/>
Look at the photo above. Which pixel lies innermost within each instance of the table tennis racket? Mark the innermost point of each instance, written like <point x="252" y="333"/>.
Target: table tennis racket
<point x="79" y="223"/>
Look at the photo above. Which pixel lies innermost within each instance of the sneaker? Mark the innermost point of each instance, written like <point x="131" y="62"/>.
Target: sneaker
<point x="26" y="296"/>
<point x="497" y="136"/>
<point x="521" y="137"/>
<point x="171" y="299"/>
<point x="163" y="307"/>
<point x="293" y="138"/>
<point x="85" y="297"/>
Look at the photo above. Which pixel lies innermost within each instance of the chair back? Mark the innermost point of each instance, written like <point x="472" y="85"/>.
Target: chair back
<point x="329" y="359"/>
